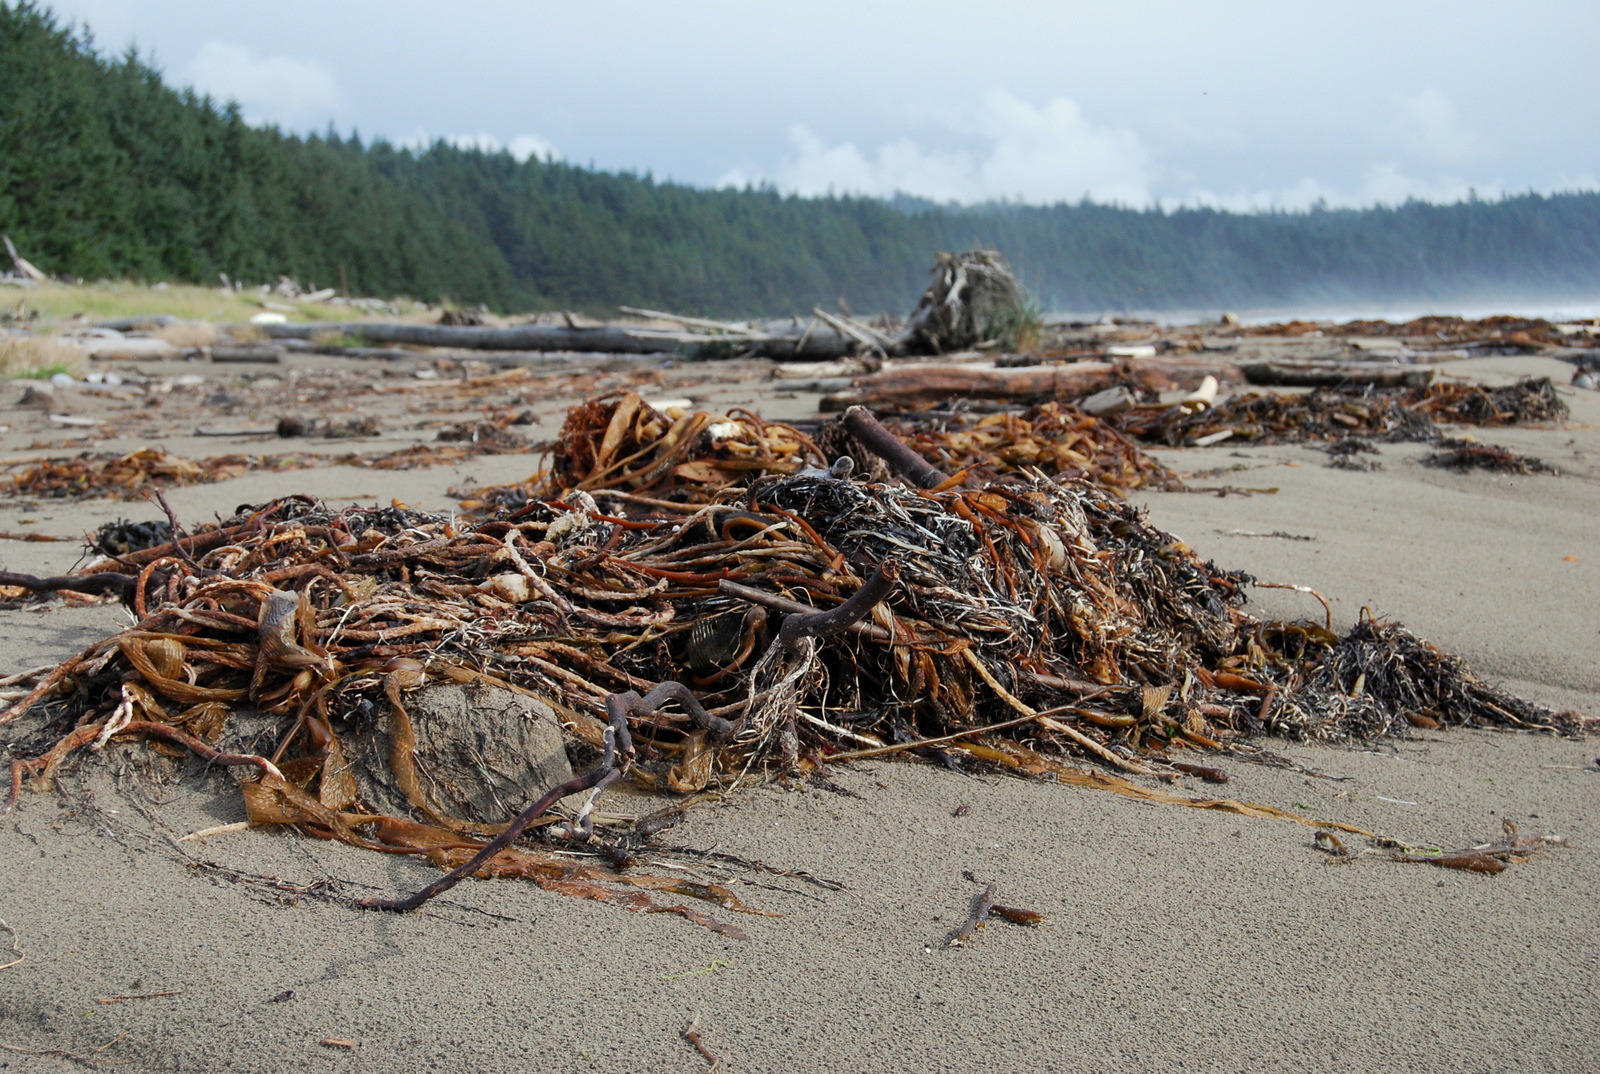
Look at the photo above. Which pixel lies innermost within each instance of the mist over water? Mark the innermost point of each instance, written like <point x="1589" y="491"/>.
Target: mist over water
<point x="1557" y="309"/>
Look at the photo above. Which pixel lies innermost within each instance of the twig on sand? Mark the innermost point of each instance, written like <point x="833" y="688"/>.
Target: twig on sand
<point x="58" y="1052"/>
<point x="16" y="948"/>
<point x="691" y="1033"/>
<point x="985" y="906"/>
<point x="978" y="918"/>
<point x="221" y="829"/>
<point x="1279" y="534"/>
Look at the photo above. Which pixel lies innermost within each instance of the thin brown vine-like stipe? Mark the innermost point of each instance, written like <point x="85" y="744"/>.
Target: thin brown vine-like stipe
<point x="632" y="704"/>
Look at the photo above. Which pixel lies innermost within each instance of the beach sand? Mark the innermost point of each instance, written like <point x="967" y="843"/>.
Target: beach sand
<point x="1174" y="939"/>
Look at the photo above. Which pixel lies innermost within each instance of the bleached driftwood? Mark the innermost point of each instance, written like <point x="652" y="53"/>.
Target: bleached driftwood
<point x="909" y="384"/>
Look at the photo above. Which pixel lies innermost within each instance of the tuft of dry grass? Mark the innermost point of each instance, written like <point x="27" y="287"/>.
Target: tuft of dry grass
<point x="187" y="334"/>
<point x="110" y="299"/>
<point x="39" y="356"/>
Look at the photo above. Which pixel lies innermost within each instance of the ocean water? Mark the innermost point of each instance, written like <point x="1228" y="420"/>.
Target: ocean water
<point x="1560" y="310"/>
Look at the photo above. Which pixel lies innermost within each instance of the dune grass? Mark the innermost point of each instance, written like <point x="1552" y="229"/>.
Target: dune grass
<point x="57" y="303"/>
<point x="39" y="356"/>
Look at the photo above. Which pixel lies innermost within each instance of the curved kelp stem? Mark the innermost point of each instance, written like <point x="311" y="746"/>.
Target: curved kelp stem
<point x="891" y="449"/>
<point x="97" y="583"/>
<point x="816" y="625"/>
<point x="630" y="703"/>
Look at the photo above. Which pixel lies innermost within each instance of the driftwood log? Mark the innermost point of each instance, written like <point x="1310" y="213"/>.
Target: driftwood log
<point x="21" y="264"/>
<point x="1270" y="374"/>
<point x="782" y="341"/>
<point x="912" y="384"/>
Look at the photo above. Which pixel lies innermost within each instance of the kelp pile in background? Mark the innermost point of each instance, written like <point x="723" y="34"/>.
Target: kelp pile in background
<point x="1329" y="414"/>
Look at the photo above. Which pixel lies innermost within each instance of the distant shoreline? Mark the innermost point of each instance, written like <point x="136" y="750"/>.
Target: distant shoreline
<point x="1471" y="309"/>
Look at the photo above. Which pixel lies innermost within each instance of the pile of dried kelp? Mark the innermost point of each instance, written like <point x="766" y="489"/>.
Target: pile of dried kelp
<point x="620" y="442"/>
<point x="1054" y="439"/>
<point x="797" y="618"/>
<point x="129" y="475"/>
<point x="491" y="432"/>
<point x="1531" y="333"/>
<point x="1452" y="453"/>
<point x="1329" y="414"/>
<point x="1529" y="400"/>
<point x="122" y="536"/>
<point x="1503" y="331"/>
<point x="132" y="475"/>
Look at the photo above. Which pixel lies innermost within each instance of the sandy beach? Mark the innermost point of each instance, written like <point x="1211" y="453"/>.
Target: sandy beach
<point x="1174" y="938"/>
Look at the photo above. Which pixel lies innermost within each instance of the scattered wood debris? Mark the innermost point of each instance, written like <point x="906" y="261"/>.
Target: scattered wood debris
<point x="691" y="1033"/>
<point x="1489" y="857"/>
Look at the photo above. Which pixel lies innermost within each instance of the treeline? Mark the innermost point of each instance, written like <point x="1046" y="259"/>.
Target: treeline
<point x="105" y="171"/>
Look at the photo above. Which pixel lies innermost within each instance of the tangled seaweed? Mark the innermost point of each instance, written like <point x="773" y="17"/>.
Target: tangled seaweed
<point x="1328" y="414"/>
<point x="131" y="476"/>
<point x="619" y="441"/>
<point x="1055" y="439"/>
<point x="1451" y="453"/>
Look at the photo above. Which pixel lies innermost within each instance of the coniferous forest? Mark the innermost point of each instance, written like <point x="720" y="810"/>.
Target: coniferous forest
<point x="106" y="171"/>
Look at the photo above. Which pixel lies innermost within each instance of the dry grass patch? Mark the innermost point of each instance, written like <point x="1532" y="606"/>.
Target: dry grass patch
<point x="40" y="356"/>
<point x="188" y="334"/>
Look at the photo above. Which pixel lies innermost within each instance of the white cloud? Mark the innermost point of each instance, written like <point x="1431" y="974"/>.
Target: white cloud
<point x="486" y="142"/>
<point x="522" y="146"/>
<point x="1023" y="152"/>
<point x="1565" y="181"/>
<point x="270" y="89"/>
<point x="1381" y="184"/>
<point x="1386" y="184"/>
<point x="1428" y="128"/>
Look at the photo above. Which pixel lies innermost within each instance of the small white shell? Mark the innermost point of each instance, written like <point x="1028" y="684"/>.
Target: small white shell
<point x="1206" y="394"/>
<point x="508" y="587"/>
<point x="1055" y="553"/>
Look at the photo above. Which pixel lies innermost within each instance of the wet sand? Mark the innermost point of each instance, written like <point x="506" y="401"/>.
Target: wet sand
<point x="1175" y="939"/>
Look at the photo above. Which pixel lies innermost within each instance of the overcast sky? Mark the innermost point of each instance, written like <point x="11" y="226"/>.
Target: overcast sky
<point x="1244" y="105"/>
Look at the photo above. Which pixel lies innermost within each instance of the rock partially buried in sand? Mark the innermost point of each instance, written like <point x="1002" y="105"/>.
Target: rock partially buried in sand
<point x="483" y="753"/>
<point x="39" y="396"/>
